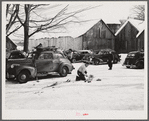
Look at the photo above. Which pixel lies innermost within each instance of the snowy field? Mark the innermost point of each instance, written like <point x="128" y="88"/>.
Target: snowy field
<point x="119" y="89"/>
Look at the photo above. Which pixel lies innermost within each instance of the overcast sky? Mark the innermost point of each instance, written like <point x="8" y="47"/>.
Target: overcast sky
<point x="108" y="11"/>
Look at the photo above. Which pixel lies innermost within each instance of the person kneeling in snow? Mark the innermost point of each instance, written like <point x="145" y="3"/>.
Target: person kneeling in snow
<point x="82" y="72"/>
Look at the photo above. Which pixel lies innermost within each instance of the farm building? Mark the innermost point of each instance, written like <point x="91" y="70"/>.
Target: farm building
<point x="126" y="40"/>
<point x="98" y="36"/>
<point x="113" y="25"/>
<point x="140" y="40"/>
<point x="10" y="45"/>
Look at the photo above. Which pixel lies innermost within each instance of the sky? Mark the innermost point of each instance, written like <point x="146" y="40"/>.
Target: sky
<point x="110" y="12"/>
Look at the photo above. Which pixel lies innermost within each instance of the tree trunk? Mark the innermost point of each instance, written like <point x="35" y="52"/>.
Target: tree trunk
<point x="26" y="27"/>
<point x="26" y="38"/>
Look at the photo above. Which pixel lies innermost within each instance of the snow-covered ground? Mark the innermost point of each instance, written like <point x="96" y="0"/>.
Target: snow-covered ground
<point x="120" y="89"/>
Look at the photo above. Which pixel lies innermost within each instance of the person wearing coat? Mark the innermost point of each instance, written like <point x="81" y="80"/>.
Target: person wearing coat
<point x="110" y="63"/>
<point x="82" y="72"/>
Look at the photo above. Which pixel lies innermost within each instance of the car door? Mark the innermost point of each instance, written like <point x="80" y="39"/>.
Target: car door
<point x="44" y="63"/>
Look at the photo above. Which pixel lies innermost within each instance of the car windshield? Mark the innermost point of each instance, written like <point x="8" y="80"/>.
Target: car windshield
<point x="16" y="55"/>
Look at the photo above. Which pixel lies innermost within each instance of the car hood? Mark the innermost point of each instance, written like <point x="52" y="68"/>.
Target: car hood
<point x="64" y="60"/>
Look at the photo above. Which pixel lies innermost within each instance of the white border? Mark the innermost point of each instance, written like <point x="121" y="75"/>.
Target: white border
<point x="44" y="114"/>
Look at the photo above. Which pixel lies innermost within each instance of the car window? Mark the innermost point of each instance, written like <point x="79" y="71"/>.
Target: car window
<point x="16" y="56"/>
<point x="46" y="56"/>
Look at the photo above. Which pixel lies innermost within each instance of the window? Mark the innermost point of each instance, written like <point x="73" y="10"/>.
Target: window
<point x="99" y="33"/>
<point x="103" y="34"/>
<point x="46" y="56"/>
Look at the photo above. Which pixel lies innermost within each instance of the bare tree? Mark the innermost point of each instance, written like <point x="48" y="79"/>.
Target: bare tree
<point x="32" y="25"/>
<point x="11" y="16"/>
<point x="138" y="12"/>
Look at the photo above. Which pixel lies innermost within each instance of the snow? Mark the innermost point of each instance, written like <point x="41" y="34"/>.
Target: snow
<point x="120" y="89"/>
<point x="136" y="23"/>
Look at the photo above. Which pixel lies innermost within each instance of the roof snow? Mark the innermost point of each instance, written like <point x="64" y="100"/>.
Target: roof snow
<point x="136" y="23"/>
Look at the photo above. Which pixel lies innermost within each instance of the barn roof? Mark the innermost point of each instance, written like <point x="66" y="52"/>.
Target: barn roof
<point x="142" y="28"/>
<point x="85" y="28"/>
<point x="139" y="33"/>
<point x="8" y="39"/>
<point x="136" y="23"/>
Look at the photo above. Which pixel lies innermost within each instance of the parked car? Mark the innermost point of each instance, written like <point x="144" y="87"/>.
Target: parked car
<point x="104" y="54"/>
<point x="92" y="59"/>
<point x="134" y="59"/>
<point x="16" y="54"/>
<point x="77" y="55"/>
<point x="38" y="63"/>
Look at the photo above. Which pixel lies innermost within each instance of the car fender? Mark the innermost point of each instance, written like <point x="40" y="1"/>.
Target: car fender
<point x="140" y="60"/>
<point x="95" y="58"/>
<point x="32" y="70"/>
<point x="66" y="65"/>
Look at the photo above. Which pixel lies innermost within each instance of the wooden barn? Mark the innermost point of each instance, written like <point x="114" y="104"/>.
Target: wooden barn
<point x="113" y="25"/>
<point x="126" y="40"/>
<point x="98" y="36"/>
<point x="10" y="45"/>
<point x="140" y="40"/>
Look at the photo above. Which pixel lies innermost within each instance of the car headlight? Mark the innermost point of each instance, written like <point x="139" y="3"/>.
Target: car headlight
<point x="12" y="66"/>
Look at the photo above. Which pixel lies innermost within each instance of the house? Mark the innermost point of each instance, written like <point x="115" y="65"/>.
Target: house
<point x="126" y="40"/>
<point x="10" y="45"/>
<point x="97" y="36"/>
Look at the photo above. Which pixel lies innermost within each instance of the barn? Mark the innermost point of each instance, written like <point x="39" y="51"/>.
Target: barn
<point x="140" y="40"/>
<point x="98" y="36"/>
<point x="10" y="45"/>
<point x="126" y="40"/>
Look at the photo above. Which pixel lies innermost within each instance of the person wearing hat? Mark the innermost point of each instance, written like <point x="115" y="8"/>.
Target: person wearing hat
<point x="82" y="72"/>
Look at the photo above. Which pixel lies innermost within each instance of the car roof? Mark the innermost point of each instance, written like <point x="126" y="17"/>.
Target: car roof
<point x="84" y="51"/>
<point x="16" y="51"/>
<point x="134" y="52"/>
<point x="109" y="50"/>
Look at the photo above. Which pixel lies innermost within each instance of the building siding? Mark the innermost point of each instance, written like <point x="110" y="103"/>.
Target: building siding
<point x="98" y="37"/>
<point x="126" y="39"/>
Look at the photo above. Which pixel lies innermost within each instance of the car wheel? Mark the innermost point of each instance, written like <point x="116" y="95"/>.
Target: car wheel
<point x="127" y="66"/>
<point x="96" y="62"/>
<point x="115" y="61"/>
<point x="73" y="60"/>
<point x="23" y="76"/>
<point x="64" y="71"/>
<point x="140" y="65"/>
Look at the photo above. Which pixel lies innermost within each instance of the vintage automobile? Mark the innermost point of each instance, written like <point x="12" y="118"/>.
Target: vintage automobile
<point x="92" y="59"/>
<point x="134" y="59"/>
<point x="105" y="54"/>
<point x="77" y="55"/>
<point x="38" y="63"/>
<point x="16" y="54"/>
<point x="102" y="56"/>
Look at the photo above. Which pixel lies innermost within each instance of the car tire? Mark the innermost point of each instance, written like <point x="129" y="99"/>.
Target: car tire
<point x="115" y="61"/>
<point x="73" y="60"/>
<point x="140" y="65"/>
<point x="23" y="76"/>
<point x="96" y="62"/>
<point x="127" y="66"/>
<point x="64" y="71"/>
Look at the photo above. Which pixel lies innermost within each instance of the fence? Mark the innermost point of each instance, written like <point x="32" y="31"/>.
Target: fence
<point x="64" y="43"/>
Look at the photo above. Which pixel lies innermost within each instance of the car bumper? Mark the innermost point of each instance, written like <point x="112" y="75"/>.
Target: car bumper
<point x="131" y="66"/>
